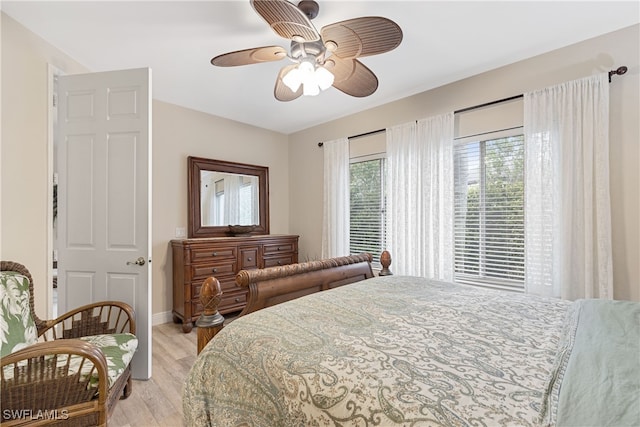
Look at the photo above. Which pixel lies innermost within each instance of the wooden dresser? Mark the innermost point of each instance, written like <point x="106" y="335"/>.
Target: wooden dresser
<point x="222" y="257"/>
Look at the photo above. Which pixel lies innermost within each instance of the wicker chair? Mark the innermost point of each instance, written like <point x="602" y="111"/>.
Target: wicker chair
<point x="40" y="384"/>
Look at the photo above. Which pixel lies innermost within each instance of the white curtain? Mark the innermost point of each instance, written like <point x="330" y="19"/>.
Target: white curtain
<point x="255" y="201"/>
<point x="207" y="193"/>
<point x="568" y="220"/>
<point x="232" y="199"/>
<point x="335" y="218"/>
<point x="420" y="201"/>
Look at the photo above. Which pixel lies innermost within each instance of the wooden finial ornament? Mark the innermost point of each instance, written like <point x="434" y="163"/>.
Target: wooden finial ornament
<point x="210" y="321"/>
<point x="385" y="261"/>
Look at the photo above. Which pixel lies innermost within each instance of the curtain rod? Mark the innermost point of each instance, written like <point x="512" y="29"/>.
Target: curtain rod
<point x="619" y="71"/>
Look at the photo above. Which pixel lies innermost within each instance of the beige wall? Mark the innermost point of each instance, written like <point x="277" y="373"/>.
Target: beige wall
<point x="573" y="62"/>
<point x="25" y="160"/>
<point x="177" y="133"/>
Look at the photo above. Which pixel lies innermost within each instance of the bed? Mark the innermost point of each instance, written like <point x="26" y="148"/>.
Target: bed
<point x="398" y="350"/>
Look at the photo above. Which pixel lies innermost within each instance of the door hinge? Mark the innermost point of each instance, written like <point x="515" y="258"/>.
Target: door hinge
<point x="54" y="100"/>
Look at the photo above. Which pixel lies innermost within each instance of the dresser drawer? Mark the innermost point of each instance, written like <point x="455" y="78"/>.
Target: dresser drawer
<point x="224" y="268"/>
<point x="271" y="249"/>
<point x="248" y="258"/>
<point x="278" y="260"/>
<point x="229" y="303"/>
<point x="196" y="259"/>
<point x="212" y="254"/>
<point x="238" y="299"/>
<point x="227" y="285"/>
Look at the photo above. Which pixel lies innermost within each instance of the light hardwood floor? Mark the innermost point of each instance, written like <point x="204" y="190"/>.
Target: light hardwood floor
<point x="158" y="401"/>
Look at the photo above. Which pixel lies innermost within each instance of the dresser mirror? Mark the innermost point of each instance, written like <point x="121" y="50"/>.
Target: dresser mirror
<point x="223" y="194"/>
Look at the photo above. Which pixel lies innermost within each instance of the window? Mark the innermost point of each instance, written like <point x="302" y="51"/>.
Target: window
<point x="489" y="212"/>
<point x="246" y="200"/>
<point x="246" y="203"/>
<point x="367" y="206"/>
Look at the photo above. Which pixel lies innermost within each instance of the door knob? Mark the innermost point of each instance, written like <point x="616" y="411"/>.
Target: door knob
<point x="139" y="261"/>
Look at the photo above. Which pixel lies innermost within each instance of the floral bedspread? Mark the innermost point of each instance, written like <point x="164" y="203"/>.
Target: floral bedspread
<point x="383" y="352"/>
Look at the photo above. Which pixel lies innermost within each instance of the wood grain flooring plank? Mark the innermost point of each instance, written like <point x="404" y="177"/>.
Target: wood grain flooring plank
<point x="158" y="401"/>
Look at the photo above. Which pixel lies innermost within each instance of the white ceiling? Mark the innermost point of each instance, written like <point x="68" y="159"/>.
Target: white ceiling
<point x="444" y="41"/>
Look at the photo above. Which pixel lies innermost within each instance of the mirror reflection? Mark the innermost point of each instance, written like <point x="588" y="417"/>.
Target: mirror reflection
<point x="223" y="194"/>
<point x="228" y="198"/>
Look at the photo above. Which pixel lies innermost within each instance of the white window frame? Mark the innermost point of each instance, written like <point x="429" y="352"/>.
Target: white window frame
<point x="506" y="284"/>
<point x="383" y="210"/>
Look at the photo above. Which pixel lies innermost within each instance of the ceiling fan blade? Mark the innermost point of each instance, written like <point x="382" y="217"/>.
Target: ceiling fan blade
<point x="286" y="20"/>
<point x="352" y="77"/>
<point x="249" y="56"/>
<point x="364" y="36"/>
<point x="281" y="90"/>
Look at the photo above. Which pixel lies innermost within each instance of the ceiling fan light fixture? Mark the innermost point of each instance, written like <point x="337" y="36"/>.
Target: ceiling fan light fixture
<point x="311" y="76"/>
<point x="293" y="79"/>
<point x="310" y="89"/>
<point x="307" y="69"/>
<point x="324" y="77"/>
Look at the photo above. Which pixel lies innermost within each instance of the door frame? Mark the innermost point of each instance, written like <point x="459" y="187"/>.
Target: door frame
<point x="52" y="113"/>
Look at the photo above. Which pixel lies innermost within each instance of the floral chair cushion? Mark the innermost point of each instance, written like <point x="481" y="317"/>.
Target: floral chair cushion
<point x="17" y="328"/>
<point x="118" y="349"/>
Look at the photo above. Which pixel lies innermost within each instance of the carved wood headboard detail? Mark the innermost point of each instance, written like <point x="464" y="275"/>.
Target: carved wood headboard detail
<point x="275" y="285"/>
<point x="245" y="277"/>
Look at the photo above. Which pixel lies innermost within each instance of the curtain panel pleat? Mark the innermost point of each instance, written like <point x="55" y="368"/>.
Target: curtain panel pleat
<point x="335" y="218"/>
<point x="420" y="198"/>
<point x="568" y="214"/>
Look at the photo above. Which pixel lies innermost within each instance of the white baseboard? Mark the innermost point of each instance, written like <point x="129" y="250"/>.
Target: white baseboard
<point x="161" y="318"/>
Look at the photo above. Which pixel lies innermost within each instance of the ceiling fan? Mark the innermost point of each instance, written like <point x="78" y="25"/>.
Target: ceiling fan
<point x="320" y="59"/>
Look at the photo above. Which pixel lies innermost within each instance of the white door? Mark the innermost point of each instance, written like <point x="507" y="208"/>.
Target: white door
<point x="104" y="196"/>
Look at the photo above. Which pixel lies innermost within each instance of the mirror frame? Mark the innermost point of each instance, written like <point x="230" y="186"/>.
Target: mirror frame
<point x="197" y="164"/>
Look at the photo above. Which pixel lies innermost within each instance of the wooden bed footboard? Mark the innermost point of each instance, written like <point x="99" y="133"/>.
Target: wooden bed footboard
<point x="275" y="285"/>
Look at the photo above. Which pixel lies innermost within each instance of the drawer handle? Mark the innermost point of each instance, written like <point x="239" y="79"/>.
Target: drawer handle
<point x="278" y="248"/>
<point x="249" y="259"/>
<point x="279" y="262"/>
<point x="237" y="299"/>
<point x="215" y="254"/>
<point x="215" y="270"/>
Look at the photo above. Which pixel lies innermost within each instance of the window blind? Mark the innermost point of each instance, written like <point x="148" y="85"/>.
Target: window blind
<point x="367" y="204"/>
<point x="489" y="212"/>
